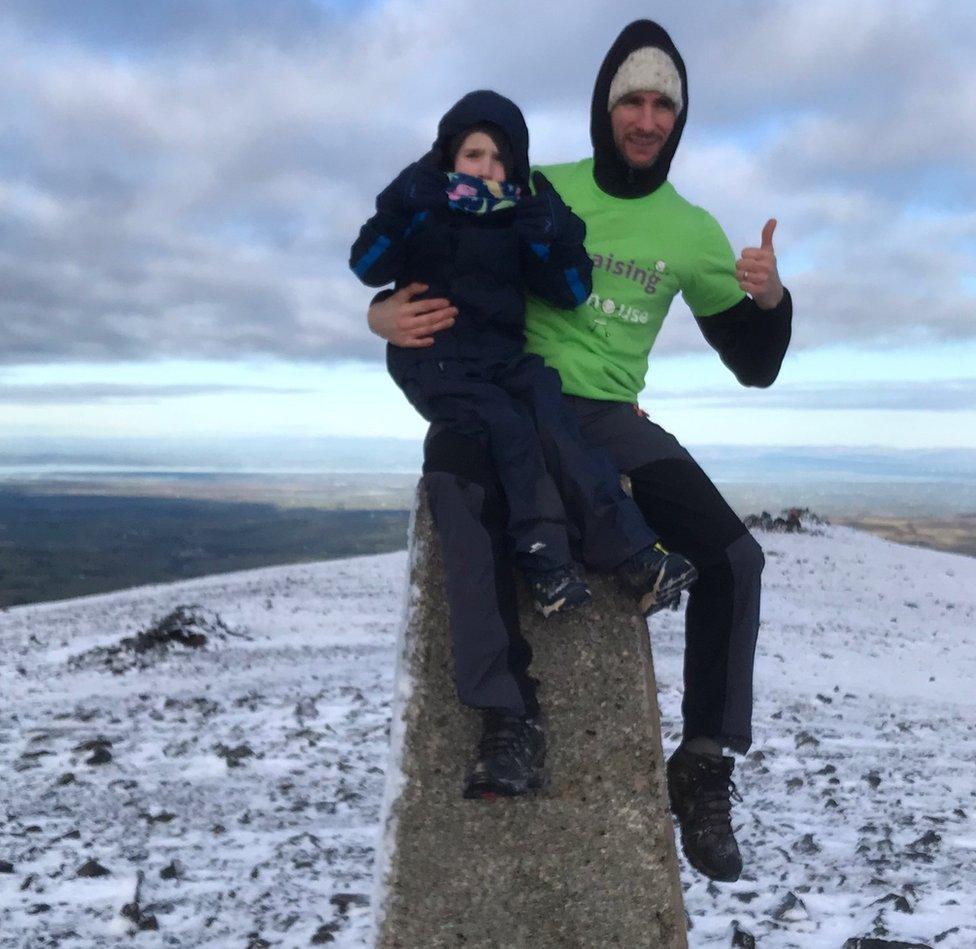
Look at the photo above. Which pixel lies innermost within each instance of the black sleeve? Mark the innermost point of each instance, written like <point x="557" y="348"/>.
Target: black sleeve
<point x="379" y="253"/>
<point x="751" y="342"/>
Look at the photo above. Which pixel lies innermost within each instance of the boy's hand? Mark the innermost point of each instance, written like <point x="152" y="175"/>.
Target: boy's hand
<point x="403" y="321"/>
<point x="542" y="217"/>
<point x="425" y="189"/>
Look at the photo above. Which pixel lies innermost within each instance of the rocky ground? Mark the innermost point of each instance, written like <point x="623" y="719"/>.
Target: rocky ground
<point x="215" y="779"/>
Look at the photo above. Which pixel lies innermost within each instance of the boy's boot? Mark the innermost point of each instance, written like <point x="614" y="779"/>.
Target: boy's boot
<point x="511" y="757"/>
<point x="701" y="790"/>
<point x="657" y="577"/>
<point x="555" y="591"/>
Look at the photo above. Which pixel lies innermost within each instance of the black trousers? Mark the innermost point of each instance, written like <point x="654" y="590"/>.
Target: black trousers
<point x="557" y="489"/>
<point x="492" y="658"/>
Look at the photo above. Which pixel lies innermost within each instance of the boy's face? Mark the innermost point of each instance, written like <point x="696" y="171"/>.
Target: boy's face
<point x="478" y="156"/>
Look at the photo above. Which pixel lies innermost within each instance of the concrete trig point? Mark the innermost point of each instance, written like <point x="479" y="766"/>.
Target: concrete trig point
<point x="590" y="861"/>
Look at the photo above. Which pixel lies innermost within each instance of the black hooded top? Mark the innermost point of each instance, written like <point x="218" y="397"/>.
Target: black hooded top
<point x="474" y="109"/>
<point x="751" y="342"/>
<point x="612" y="173"/>
<point x="479" y="262"/>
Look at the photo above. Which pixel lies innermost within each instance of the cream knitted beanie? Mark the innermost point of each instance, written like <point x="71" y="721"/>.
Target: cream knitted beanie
<point x="647" y="68"/>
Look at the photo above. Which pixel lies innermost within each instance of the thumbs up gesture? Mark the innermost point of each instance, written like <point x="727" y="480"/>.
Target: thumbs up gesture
<point x="756" y="271"/>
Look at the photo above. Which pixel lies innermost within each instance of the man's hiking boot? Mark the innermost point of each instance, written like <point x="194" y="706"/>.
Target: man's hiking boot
<point x="701" y="791"/>
<point x="511" y="758"/>
<point x="657" y="577"/>
<point x="555" y="591"/>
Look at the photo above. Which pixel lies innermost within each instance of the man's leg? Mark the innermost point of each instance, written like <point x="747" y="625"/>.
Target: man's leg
<point x="721" y="622"/>
<point x="491" y="657"/>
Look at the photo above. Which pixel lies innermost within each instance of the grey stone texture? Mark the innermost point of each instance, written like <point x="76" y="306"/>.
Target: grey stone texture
<point x="588" y="862"/>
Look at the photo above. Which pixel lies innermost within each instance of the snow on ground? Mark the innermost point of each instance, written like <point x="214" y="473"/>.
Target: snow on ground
<point x="240" y="783"/>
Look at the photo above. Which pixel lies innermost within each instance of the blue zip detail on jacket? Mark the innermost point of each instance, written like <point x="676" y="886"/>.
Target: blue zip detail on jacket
<point x="541" y="250"/>
<point x="418" y="219"/>
<point x="371" y="256"/>
<point x="575" y="284"/>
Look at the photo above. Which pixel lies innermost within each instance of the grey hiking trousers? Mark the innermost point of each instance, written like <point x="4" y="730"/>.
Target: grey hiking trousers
<point x="681" y="505"/>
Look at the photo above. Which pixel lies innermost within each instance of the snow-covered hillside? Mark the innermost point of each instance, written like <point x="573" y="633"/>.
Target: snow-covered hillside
<point x="240" y="781"/>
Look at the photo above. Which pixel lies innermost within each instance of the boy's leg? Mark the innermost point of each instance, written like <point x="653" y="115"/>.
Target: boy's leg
<point x="491" y="657"/>
<point x="611" y="525"/>
<point x="458" y="397"/>
<point x="691" y="516"/>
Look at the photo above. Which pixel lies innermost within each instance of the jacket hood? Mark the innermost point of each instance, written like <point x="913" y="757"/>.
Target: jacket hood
<point x="611" y="172"/>
<point x="485" y="106"/>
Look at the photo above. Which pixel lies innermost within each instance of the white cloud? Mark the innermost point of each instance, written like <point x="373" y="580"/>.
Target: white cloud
<point x="189" y="185"/>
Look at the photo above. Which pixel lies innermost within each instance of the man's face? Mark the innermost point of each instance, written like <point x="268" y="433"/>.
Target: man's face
<point x="641" y="123"/>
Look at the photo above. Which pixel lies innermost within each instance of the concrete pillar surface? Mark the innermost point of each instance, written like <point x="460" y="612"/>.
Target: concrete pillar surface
<point x="588" y="862"/>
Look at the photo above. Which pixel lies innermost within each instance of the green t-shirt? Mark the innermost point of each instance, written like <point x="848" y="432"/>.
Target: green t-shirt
<point x="644" y="251"/>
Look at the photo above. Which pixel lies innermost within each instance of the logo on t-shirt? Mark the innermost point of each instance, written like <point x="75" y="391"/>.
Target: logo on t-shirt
<point x="610" y="307"/>
<point x="648" y="277"/>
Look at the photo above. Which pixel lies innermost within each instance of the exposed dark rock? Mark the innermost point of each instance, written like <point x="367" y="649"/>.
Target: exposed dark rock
<point x="6" y="867"/>
<point x="794" y="520"/>
<point x="325" y="934"/>
<point x="929" y="839"/>
<point x="806" y="844"/>
<point x="174" y="870"/>
<point x="163" y="817"/>
<point x="101" y="756"/>
<point x="868" y="942"/>
<point x="93" y="744"/>
<point x="92" y="868"/>
<point x="342" y="901"/>
<point x="746" y="897"/>
<point x="872" y="778"/>
<point x="233" y="756"/>
<point x="791" y="909"/>
<point x="897" y="902"/>
<point x="186" y="627"/>
<point x="740" y="938"/>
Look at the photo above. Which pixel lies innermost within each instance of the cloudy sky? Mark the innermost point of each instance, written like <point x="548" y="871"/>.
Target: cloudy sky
<point x="180" y="183"/>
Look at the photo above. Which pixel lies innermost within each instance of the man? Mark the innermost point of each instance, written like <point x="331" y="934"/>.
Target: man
<point x="647" y="243"/>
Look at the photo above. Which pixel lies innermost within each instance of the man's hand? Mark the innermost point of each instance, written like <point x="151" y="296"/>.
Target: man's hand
<point x="756" y="271"/>
<point x="403" y="321"/>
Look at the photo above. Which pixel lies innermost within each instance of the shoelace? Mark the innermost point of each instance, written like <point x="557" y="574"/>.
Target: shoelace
<point x="717" y="790"/>
<point x="499" y="740"/>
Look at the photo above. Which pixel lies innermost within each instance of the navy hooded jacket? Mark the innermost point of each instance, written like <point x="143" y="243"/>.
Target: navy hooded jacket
<point x="480" y="263"/>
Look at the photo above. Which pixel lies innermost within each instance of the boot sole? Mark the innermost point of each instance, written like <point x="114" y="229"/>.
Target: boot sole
<point x="486" y="789"/>
<point x="667" y="597"/>
<point x="701" y="868"/>
<point x="691" y="858"/>
<point x="562" y="605"/>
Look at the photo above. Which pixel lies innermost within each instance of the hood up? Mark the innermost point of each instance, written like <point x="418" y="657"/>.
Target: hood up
<point x="484" y="106"/>
<point x="611" y="172"/>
